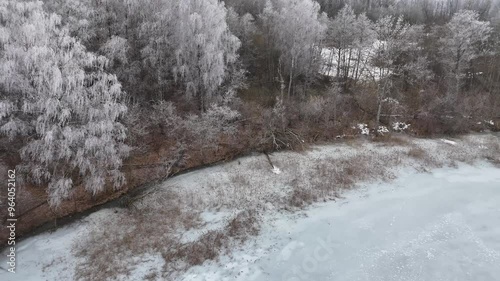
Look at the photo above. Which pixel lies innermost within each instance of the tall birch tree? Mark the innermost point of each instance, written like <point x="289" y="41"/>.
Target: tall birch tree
<point x="191" y="46"/>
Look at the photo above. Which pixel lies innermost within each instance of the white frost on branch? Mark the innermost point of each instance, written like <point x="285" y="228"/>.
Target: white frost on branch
<point x="191" y="44"/>
<point x="59" y="95"/>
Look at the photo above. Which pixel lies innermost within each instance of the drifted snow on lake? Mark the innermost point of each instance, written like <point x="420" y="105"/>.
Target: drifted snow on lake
<point x="442" y="225"/>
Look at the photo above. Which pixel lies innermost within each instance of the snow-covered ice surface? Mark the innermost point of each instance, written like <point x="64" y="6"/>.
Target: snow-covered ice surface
<point x="48" y="256"/>
<point x="436" y="226"/>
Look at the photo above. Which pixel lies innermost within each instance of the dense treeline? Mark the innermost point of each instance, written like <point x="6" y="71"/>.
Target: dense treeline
<point x="84" y="81"/>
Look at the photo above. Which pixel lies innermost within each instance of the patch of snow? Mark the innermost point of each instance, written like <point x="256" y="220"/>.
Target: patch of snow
<point x="364" y="130"/>
<point x="48" y="256"/>
<point x="276" y="170"/>
<point x="391" y="100"/>
<point x="210" y="221"/>
<point x="366" y="71"/>
<point x="147" y="265"/>
<point x="449" y="142"/>
<point x="382" y="130"/>
<point x="400" y="126"/>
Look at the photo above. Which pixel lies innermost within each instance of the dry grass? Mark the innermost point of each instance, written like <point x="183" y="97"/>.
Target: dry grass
<point x="302" y="197"/>
<point x="489" y="149"/>
<point x="132" y="233"/>
<point x="417" y="153"/>
<point x="331" y="176"/>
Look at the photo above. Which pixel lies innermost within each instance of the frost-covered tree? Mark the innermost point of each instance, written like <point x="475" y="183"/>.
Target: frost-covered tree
<point x="342" y="33"/>
<point x="351" y="37"/>
<point x="111" y="28"/>
<point x="363" y="42"/>
<point x="463" y="42"/>
<point x="58" y="97"/>
<point x="296" y="29"/>
<point x="79" y="17"/>
<point x="396" y="54"/>
<point x="191" y="46"/>
<point x="116" y="49"/>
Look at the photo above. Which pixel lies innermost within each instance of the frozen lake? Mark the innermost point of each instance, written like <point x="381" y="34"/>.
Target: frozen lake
<point x="443" y="225"/>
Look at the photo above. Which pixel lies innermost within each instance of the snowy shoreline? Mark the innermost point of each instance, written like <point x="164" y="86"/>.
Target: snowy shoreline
<point x="217" y="194"/>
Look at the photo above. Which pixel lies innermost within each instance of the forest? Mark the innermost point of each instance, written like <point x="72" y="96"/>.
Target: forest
<point x="103" y="96"/>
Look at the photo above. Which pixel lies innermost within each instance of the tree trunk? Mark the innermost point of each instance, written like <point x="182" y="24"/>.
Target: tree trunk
<point x="339" y="57"/>
<point x="348" y="69"/>
<point x="291" y="78"/>
<point x="457" y="74"/>
<point x="335" y="96"/>
<point x="379" y="111"/>
<point x="282" y="81"/>
<point x="358" y="61"/>
<point x="381" y="95"/>
<point x="330" y="60"/>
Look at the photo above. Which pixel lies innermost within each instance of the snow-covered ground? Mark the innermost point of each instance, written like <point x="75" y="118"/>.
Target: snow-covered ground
<point x="440" y="225"/>
<point x="362" y="69"/>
